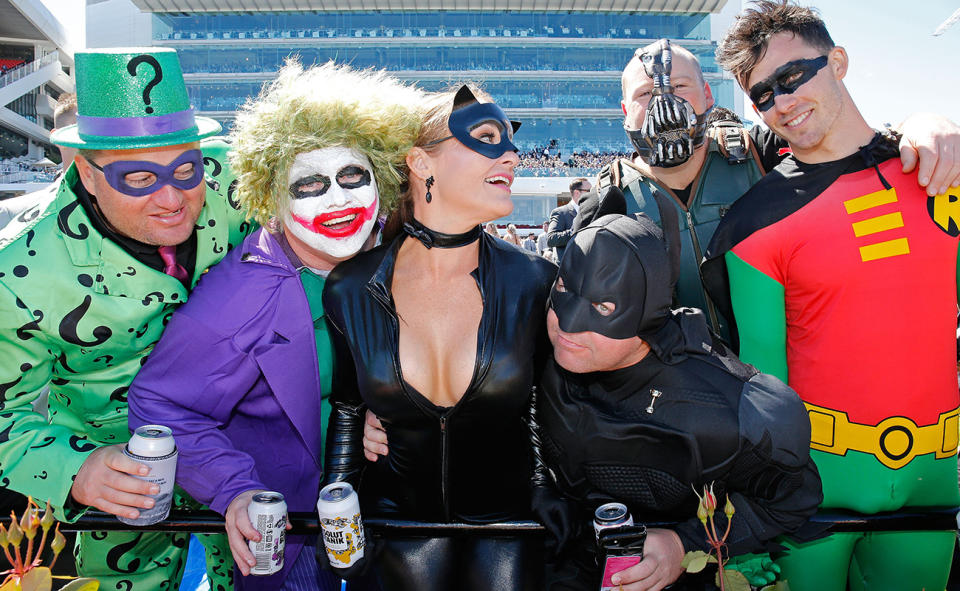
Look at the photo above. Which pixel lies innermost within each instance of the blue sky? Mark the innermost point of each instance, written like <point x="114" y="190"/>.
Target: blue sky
<point x="897" y="66"/>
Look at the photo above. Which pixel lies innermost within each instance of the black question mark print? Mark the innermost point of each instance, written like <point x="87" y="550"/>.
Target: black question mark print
<point x="158" y="75"/>
<point x="217" y="167"/>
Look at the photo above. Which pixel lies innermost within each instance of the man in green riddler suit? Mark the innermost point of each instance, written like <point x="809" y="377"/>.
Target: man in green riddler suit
<point x="88" y="279"/>
<point x="841" y="276"/>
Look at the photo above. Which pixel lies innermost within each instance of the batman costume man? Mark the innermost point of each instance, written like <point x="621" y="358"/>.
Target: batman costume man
<point x="642" y="405"/>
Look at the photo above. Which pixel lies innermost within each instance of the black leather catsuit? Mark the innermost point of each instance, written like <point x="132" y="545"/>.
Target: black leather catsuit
<point x="469" y="462"/>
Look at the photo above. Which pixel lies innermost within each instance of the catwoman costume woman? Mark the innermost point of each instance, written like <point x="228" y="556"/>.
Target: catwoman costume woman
<point x="469" y="462"/>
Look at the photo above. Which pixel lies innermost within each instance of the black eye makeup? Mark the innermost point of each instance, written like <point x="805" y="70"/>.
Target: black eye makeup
<point x="785" y="80"/>
<point x="353" y="177"/>
<point x="310" y="186"/>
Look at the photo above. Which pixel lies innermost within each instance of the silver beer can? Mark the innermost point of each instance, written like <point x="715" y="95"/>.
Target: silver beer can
<point x="610" y="515"/>
<point x="153" y="445"/>
<point x="339" y="511"/>
<point x="268" y="515"/>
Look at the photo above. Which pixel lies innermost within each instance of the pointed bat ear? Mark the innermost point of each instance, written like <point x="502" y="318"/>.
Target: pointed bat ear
<point x="515" y="125"/>
<point x="464" y="97"/>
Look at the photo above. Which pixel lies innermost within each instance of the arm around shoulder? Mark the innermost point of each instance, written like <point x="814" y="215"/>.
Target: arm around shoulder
<point x="193" y="381"/>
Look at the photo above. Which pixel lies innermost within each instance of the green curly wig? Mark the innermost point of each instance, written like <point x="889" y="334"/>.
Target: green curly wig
<point x="320" y="107"/>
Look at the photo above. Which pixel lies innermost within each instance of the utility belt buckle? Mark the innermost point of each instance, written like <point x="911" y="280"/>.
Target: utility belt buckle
<point x="895" y="441"/>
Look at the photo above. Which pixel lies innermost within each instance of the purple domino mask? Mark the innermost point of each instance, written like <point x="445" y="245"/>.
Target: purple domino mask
<point x="116" y="174"/>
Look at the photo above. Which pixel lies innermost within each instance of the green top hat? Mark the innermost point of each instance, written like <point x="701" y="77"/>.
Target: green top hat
<point x="132" y="98"/>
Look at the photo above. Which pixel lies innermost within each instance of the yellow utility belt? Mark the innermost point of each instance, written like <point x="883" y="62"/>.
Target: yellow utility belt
<point x="894" y="442"/>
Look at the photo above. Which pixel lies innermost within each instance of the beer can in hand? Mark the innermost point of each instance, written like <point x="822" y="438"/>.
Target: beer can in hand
<point x="610" y="515"/>
<point x="153" y="445"/>
<point x="268" y="515"/>
<point x="339" y="512"/>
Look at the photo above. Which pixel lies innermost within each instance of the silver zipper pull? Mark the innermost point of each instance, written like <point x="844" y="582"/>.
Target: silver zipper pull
<point x="654" y="394"/>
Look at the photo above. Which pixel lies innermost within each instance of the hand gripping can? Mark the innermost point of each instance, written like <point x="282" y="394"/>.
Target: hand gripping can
<point x="610" y="515"/>
<point x="268" y="515"/>
<point x="619" y="542"/>
<point x="153" y="445"/>
<point x="339" y="512"/>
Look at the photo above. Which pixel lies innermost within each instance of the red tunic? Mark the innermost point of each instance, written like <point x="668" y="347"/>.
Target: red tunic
<point x="871" y="296"/>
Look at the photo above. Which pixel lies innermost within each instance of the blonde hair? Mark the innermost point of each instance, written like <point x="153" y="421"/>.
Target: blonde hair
<point x="435" y="126"/>
<point x="322" y="106"/>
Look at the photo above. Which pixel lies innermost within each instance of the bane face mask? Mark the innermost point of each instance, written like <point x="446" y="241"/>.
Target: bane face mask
<point x="671" y="129"/>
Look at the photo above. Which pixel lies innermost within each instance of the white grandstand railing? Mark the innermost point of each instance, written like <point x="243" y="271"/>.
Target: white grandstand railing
<point x="30" y="68"/>
<point x="20" y="172"/>
<point x="27" y="177"/>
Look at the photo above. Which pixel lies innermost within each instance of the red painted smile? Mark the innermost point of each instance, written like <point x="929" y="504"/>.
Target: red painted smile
<point x="339" y="224"/>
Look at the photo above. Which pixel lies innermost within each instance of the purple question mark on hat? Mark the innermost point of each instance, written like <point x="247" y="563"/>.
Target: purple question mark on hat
<point x="158" y="75"/>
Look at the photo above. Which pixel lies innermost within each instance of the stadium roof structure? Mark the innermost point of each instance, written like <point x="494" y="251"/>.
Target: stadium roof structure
<point x="249" y="6"/>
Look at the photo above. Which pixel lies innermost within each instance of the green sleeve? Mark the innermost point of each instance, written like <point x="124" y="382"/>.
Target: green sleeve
<point x="760" y="313"/>
<point x="37" y="458"/>
<point x="222" y="186"/>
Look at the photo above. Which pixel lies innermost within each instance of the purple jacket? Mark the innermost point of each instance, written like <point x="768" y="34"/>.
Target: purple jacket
<point x="235" y="376"/>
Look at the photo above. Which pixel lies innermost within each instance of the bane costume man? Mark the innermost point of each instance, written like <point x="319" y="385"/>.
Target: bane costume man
<point x="641" y="406"/>
<point x="671" y="127"/>
<point x="669" y="137"/>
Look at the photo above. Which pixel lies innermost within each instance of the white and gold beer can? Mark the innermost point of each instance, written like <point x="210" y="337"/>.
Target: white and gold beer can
<point x="339" y="512"/>
<point x="268" y="515"/>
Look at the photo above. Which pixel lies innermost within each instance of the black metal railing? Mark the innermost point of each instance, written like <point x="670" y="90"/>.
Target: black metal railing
<point x="932" y="519"/>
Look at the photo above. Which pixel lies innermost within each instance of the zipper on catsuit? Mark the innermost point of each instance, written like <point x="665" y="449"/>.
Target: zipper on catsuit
<point x="444" y="499"/>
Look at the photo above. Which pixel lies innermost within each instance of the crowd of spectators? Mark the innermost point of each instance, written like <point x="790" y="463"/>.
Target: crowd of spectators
<point x="227" y="98"/>
<point x="550" y="160"/>
<point x="389" y="32"/>
<point x="206" y="63"/>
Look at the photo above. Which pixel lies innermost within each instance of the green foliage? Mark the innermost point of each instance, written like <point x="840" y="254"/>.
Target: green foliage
<point x="732" y="581"/>
<point x="696" y="561"/>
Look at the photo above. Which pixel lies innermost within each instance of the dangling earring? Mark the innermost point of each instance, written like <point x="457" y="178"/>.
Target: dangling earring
<point x="429" y="183"/>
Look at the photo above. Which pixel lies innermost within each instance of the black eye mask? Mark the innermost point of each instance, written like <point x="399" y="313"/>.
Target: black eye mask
<point x="468" y="114"/>
<point x="785" y="80"/>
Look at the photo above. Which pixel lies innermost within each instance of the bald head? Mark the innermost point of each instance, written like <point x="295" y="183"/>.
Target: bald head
<point x="686" y="77"/>
<point x="635" y="69"/>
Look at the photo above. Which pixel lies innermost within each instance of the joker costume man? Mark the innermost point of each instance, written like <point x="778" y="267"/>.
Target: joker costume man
<point x="240" y="372"/>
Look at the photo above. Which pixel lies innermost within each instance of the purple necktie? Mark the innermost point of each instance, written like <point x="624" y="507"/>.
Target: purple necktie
<point x="170" y="265"/>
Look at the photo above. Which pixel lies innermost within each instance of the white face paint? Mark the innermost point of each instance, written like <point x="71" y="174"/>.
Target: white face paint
<point x="333" y="201"/>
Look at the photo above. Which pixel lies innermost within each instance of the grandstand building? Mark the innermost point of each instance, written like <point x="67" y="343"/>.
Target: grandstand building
<point x="36" y="56"/>
<point x="552" y="64"/>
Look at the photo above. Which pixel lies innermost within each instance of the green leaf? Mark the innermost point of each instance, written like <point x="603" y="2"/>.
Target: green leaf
<point x="37" y="579"/>
<point x="81" y="585"/>
<point x="733" y="580"/>
<point x="698" y="564"/>
<point x="690" y="556"/>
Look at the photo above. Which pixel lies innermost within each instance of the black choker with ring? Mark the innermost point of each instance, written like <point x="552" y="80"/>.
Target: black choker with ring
<point x="433" y="239"/>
